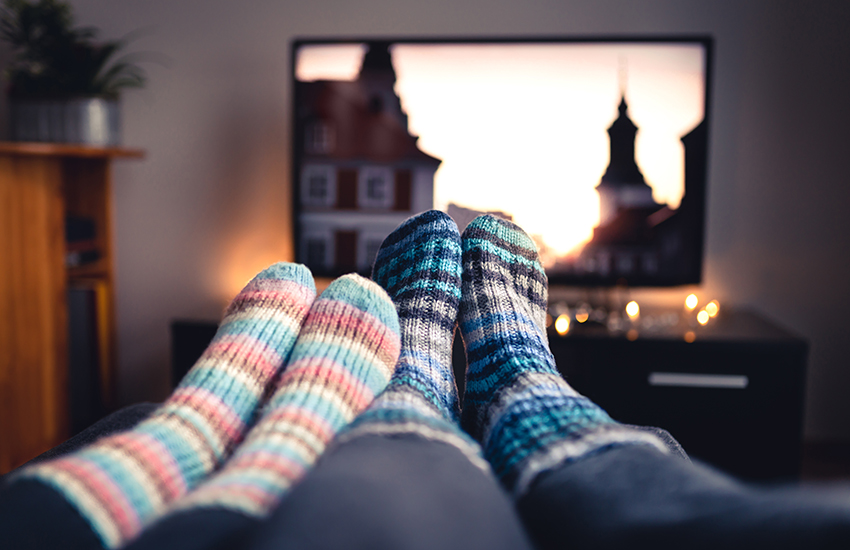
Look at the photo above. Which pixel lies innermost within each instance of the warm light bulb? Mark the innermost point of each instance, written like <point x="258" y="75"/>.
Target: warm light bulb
<point x="632" y="309"/>
<point x="703" y="317"/>
<point x="690" y="337"/>
<point x="691" y="302"/>
<point x="562" y="324"/>
<point x="712" y="308"/>
<point x="582" y="316"/>
<point x="632" y="335"/>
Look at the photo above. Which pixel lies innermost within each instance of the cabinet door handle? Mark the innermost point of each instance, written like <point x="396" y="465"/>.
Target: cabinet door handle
<point x="684" y="379"/>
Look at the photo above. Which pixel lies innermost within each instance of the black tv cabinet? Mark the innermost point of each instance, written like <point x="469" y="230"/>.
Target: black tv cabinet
<point x="733" y="397"/>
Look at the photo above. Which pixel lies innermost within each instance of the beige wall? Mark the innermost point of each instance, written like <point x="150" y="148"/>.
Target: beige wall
<point x="208" y="207"/>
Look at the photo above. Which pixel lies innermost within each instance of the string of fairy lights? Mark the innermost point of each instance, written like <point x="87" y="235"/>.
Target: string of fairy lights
<point x="629" y="322"/>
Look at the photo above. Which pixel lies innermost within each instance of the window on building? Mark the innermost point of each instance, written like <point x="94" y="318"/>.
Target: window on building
<point x="376" y="187"/>
<point x="317" y="188"/>
<point x="319" y="138"/>
<point x="318" y="185"/>
<point x="376" y="104"/>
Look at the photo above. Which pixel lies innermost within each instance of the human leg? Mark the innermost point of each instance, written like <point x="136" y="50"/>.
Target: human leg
<point x="344" y="356"/>
<point x="517" y="404"/>
<point x="104" y="494"/>
<point x="637" y="497"/>
<point x="580" y="479"/>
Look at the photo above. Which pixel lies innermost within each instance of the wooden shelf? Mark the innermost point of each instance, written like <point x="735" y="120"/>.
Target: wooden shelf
<point x="67" y="150"/>
<point x="40" y="184"/>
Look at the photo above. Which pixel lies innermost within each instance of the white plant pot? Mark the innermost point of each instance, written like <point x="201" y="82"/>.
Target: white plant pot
<point x="89" y="121"/>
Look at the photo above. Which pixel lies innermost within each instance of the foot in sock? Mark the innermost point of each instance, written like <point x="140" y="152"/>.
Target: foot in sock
<point x="419" y="266"/>
<point x="516" y="403"/>
<point x="123" y="482"/>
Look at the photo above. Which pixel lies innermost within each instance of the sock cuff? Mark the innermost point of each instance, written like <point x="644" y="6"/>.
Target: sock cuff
<point x="539" y="422"/>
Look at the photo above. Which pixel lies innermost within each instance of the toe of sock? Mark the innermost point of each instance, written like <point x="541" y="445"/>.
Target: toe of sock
<point x="290" y="272"/>
<point x="432" y="220"/>
<point x="509" y="234"/>
<point x="398" y="253"/>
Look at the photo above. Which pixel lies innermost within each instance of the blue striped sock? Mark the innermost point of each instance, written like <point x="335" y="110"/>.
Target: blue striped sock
<point x="419" y="267"/>
<point x="516" y="403"/>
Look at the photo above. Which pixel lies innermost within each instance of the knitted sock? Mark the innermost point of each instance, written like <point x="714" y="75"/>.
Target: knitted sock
<point x="516" y="403"/>
<point x="344" y="356"/>
<point x="124" y="481"/>
<point x="419" y="266"/>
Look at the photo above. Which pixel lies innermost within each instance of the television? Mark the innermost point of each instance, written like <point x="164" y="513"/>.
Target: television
<point x="596" y="146"/>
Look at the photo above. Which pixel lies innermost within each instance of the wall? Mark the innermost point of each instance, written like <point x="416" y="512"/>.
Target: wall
<point x="208" y="208"/>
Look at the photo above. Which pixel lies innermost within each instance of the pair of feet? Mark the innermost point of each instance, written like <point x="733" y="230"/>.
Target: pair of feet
<point x="517" y="406"/>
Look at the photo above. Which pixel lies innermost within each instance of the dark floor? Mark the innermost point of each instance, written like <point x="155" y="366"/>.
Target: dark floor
<point x="826" y="461"/>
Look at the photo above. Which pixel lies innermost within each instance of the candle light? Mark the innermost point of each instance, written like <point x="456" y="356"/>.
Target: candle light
<point x="562" y="324"/>
<point x="633" y="310"/>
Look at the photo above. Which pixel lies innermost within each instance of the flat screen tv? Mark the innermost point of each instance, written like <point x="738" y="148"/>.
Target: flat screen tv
<point x="597" y="147"/>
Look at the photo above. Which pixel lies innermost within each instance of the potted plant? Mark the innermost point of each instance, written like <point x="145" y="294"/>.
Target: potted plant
<point x="63" y="83"/>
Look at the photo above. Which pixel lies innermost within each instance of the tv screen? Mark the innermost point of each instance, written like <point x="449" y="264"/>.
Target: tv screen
<point x="597" y="147"/>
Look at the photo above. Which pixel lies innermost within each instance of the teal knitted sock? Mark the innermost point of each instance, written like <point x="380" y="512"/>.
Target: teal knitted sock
<point x="516" y="403"/>
<point x="121" y="483"/>
<point x="419" y="266"/>
<point x="344" y="356"/>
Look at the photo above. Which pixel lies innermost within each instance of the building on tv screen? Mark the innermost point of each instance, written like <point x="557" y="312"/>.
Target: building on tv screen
<point x="596" y="149"/>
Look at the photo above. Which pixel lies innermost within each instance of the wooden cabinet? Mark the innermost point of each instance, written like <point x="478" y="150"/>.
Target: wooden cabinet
<point x="40" y="184"/>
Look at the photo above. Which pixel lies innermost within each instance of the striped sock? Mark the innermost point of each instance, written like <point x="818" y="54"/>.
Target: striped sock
<point x="419" y="266"/>
<point x="123" y="482"/>
<point x="516" y="403"/>
<point x="344" y="356"/>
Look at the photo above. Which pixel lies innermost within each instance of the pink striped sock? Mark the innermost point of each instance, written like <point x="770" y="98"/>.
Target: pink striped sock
<point x="123" y="482"/>
<point x="344" y="356"/>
